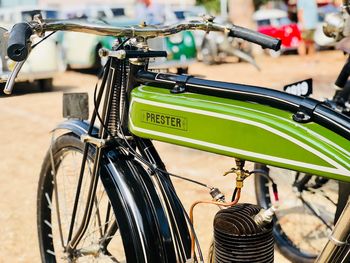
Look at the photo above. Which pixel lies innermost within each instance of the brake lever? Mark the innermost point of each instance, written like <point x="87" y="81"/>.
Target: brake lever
<point x="11" y="80"/>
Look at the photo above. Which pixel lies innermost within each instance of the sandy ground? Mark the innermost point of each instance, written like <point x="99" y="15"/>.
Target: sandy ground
<point x="28" y="116"/>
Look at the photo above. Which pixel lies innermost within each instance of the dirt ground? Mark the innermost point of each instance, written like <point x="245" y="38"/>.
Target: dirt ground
<point x="28" y="116"/>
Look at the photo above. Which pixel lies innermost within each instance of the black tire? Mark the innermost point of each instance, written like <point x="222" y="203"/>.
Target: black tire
<point x="299" y="233"/>
<point x="45" y="85"/>
<point x="182" y="71"/>
<point x="98" y="65"/>
<point x="67" y="155"/>
<point x="2" y="86"/>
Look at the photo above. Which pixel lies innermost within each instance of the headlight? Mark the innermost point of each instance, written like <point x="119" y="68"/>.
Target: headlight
<point x="176" y="39"/>
<point x="334" y="26"/>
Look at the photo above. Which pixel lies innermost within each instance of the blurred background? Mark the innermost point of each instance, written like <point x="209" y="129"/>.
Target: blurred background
<point x="275" y="18"/>
<point x="69" y="62"/>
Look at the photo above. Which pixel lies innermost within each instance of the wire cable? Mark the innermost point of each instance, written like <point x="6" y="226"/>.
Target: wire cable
<point x="138" y="156"/>
<point x="43" y="39"/>
<point x="141" y="159"/>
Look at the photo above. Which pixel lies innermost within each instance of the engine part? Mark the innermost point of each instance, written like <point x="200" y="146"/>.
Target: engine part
<point x="238" y="238"/>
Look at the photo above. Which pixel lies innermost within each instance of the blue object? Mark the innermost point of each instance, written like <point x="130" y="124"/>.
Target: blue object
<point x="310" y="16"/>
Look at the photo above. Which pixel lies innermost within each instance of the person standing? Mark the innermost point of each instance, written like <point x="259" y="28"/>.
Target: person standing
<point x="150" y="12"/>
<point x="307" y="19"/>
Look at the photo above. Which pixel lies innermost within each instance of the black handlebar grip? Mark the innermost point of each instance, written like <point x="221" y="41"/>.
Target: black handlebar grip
<point x="18" y="46"/>
<point x="255" y="37"/>
<point x="148" y="54"/>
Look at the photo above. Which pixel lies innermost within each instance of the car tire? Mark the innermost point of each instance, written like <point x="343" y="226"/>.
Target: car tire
<point x="182" y="70"/>
<point x="273" y="53"/>
<point x="45" y="85"/>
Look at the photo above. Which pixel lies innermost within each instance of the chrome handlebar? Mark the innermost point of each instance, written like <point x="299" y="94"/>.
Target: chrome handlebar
<point x="142" y="31"/>
<point x="19" y="40"/>
<point x="18" y="48"/>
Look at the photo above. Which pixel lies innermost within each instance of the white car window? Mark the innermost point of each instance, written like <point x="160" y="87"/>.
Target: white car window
<point x="118" y="11"/>
<point x="264" y="22"/>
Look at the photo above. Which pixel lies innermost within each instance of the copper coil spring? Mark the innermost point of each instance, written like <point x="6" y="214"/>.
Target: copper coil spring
<point x="117" y="98"/>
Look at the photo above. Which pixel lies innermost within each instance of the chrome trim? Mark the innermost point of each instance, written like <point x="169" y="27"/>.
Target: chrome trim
<point x="99" y="143"/>
<point x="131" y="31"/>
<point x="337" y="242"/>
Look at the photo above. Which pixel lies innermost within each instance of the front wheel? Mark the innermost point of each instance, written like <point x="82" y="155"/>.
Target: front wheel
<point x="56" y="197"/>
<point x="306" y="210"/>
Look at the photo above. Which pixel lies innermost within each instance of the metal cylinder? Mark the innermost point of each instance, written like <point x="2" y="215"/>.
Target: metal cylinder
<point x="337" y="248"/>
<point x="237" y="238"/>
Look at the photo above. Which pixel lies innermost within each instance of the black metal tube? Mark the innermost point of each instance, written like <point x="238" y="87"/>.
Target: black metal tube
<point x="321" y="114"/>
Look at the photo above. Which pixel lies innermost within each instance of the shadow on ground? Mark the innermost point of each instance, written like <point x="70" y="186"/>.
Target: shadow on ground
<point x="27" y="88"/>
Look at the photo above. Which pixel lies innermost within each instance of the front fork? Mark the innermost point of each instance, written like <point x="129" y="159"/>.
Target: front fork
<point x="110" y="81"/>
<point x="337" y="248"/>
<point x="73" y="240"/>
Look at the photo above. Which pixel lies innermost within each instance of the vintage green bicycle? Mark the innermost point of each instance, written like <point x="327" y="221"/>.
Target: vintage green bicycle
<point x="104" y="193"/>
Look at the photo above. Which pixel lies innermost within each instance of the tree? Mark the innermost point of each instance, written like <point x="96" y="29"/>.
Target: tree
<point x="210" y="5"/>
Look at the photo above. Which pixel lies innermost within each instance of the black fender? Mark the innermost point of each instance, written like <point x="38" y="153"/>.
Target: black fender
<point x="142" y="221"/>
<point x="77" y="127"/>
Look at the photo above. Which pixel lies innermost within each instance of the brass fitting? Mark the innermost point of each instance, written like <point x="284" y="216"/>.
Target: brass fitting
<point x="241" y="174"/>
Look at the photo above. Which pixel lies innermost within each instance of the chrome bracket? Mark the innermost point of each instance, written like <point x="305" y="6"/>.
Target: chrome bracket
<point x="337" y="242"/>
<point x="99" y="143"/>
<point x="40" y="25"/>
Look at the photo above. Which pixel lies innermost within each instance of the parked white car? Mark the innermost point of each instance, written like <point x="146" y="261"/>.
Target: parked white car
<point x="81" y="49"/>
<point x="44" y="62"/>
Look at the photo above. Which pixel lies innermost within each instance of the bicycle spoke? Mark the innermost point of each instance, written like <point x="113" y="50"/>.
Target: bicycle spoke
<point x="110" y="234"/>
<point x="107" y="216"/>
<point x="315" y="212"/>
<point x="305" y="211"/>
